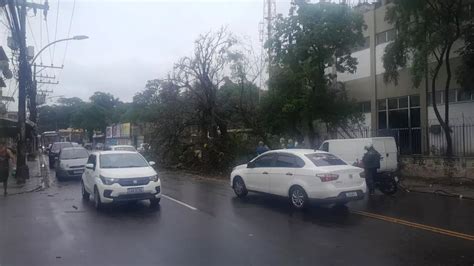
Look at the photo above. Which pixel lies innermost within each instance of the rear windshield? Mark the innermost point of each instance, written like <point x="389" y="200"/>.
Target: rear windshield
<point x="58" y="146"/>
<point x="122" y="160"/>
<point x="74" y="154"/>
<point x="324" y="159"/>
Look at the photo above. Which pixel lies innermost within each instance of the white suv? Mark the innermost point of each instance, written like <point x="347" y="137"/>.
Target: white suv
<point x="301" y="175"/>
<point x="118" y="176"/>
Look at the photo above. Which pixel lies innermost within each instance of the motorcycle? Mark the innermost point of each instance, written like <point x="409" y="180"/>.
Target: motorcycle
<point x="386" y="182"/>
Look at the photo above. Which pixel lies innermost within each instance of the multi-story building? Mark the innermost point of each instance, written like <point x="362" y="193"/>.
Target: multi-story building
<point x="403" y="110"/>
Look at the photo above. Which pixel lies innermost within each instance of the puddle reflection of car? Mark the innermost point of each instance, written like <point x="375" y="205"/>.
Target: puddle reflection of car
<point x="120" y="176"/>
<point x="71" y="162"/>
<point x="301" y="175"/>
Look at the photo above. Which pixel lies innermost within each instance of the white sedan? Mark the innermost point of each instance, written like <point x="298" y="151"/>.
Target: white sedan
<point x="301" y="175"/>
<point x="118" y="176"/>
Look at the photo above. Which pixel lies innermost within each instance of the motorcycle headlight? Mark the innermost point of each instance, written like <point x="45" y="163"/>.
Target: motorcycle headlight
<point x="108" y="180"/>
<point x="154" y="178"/>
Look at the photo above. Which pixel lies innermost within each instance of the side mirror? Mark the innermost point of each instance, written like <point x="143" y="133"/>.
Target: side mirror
<point x="89" y="166"/>
<point x="151" y="163"/>
<point x="251" y="165"/>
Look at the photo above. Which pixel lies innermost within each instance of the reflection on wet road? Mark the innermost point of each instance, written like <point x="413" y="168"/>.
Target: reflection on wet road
<point x="201" y="222"/>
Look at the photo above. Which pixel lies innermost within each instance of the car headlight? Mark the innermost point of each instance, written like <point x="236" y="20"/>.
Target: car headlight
<point x="108" y="180"/>
<point x="154" y="178"/>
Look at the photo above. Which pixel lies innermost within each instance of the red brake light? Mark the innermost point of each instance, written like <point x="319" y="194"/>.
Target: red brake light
<point x="327" y="177"/>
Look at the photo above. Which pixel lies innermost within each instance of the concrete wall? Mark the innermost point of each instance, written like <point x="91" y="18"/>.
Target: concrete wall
<point x="437" y="167"/>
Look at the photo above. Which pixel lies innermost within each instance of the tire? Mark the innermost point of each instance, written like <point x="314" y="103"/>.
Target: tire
<point x="97" y="202"/>
<point x="389" y="187"/>
<point x="85" y="195"/>
<point x="239" y="187"/>
<point x="155" y="202"/>
<point x="298" y="198"/>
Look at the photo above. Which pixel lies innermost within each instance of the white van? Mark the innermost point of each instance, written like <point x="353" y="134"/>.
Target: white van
<point x="351" y="150"/>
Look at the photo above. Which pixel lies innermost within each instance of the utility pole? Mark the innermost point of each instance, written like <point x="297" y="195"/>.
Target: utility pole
<point x="18" y="12"/>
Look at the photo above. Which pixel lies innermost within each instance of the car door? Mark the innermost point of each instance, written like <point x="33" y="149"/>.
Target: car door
<point x="285" y="170"/>
<point x="89" y="174"/>
<point x="258" y="176"/>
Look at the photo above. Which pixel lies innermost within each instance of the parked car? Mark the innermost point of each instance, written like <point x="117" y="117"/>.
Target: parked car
<point x="352" y="150"/>
<point x="302" y="175"/>
<point x="118" y="176"/>
<point x="122" y="148"/>
<point x="54" y="152"/>
<point x="71" y="162"/>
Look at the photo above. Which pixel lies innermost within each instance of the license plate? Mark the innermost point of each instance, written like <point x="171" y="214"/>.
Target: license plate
<point x="351" y="194"/>
<point x="134" y="190"/>
<point x="78" y="172"/>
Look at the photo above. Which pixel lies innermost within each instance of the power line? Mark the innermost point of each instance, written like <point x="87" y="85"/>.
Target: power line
<point x="31" y="31"/>
<point x="47" y="38"/>
<point x="56" y="31"/>
<point x="69" y="30"/>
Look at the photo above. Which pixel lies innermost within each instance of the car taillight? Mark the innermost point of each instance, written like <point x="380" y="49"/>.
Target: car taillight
<point x="327" y="177"/>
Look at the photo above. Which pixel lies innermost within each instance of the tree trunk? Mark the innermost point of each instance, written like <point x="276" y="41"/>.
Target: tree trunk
<point x="433" y="94"/>
<point x="447" y="130"/>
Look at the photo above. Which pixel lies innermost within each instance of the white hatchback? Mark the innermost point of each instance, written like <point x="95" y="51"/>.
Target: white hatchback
<point x="301" y="175"/>
<point x="118" y="176"/>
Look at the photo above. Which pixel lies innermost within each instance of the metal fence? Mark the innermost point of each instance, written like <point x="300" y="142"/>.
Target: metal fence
<point x="409" y="140"/>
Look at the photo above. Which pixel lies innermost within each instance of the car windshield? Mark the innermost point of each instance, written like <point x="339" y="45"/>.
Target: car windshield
<point x="124" y="148"/>
<point x="58" y="146"/>
<point x="325" y="159"/>
<point x="122" y="160"/>
<point x="69" y="154"/>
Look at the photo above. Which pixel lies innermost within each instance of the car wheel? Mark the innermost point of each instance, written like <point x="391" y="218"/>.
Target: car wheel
<point x="239" y="187"/>
<point x="97" y="202"/>
<point x="85" y="194"/>
<point x="154" y="202"/>
<point x="298" y="197"/>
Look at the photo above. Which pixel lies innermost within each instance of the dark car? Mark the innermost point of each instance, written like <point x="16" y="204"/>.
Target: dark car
<point x="54" y="151"/>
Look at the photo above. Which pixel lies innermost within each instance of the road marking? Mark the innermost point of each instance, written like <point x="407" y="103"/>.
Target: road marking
<point x="179" y="202"/>
<point x="415" y="225"/>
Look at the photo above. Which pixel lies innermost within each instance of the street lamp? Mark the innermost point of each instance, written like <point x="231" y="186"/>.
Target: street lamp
<point x="74" y="38"/>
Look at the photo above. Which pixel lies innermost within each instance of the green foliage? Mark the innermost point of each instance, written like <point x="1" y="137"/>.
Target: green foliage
<point x="427" y="31"/>
<point x="305" y="44"/>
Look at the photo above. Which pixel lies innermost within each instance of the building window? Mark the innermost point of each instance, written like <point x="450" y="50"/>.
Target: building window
<point x="382" y="120"/>
<point x="382" y="105"/>
<point x="403" y="112"/>
<point x="459" y="95"/>
<point x="386" y="36"/>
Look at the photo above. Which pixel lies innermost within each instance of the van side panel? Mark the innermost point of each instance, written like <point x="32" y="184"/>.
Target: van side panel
<point x="350" y="150"/>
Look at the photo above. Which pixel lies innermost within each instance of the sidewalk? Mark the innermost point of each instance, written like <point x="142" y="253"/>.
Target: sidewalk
<point x="453" y="189"/>
<point x="36" y="181"/>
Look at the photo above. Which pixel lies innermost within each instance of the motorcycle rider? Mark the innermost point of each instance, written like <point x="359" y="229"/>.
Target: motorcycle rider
<point x="371" y="162"/>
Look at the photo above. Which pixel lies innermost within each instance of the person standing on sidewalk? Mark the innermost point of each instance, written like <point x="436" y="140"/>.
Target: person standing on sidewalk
<point x="5" y="156"/>
<point x="371" y="162"/>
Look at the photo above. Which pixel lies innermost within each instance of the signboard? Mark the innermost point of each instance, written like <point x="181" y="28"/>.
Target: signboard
<point x="108" y="132"/>
<point x="125" y="130"/>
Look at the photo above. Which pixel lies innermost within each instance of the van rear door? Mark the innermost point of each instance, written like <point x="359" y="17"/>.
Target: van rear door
<point x="391" y="154"/>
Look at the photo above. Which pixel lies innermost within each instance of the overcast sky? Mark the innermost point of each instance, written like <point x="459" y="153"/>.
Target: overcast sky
<point x="133" y="41"/>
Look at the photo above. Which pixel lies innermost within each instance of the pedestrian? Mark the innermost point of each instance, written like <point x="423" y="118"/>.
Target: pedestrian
<point x="282" y="143"/>
<point x="371" y="162"/>
<point x="291" y="144"/>
<point x="5" y="156"/>
<point x="261" y="148"/>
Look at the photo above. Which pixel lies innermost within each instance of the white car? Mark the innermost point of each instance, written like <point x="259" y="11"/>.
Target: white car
<point x="118" y="176"/>
<point x="301" y="175"/>
<point x="122" y="148"/>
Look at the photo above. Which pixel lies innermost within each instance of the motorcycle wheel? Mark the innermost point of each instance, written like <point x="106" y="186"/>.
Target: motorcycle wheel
<point x="389" y="187"/>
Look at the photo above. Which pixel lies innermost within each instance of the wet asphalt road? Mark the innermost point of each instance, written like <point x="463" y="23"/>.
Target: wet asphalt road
<point x="55" y="227"/>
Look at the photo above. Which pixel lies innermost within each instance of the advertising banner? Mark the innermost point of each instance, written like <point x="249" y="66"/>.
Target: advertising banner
<point x="108" y="132"/>
<point x="125" y="130"/>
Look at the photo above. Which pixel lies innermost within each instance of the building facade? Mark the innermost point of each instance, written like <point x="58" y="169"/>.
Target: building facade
<point x="402" y="110"/>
